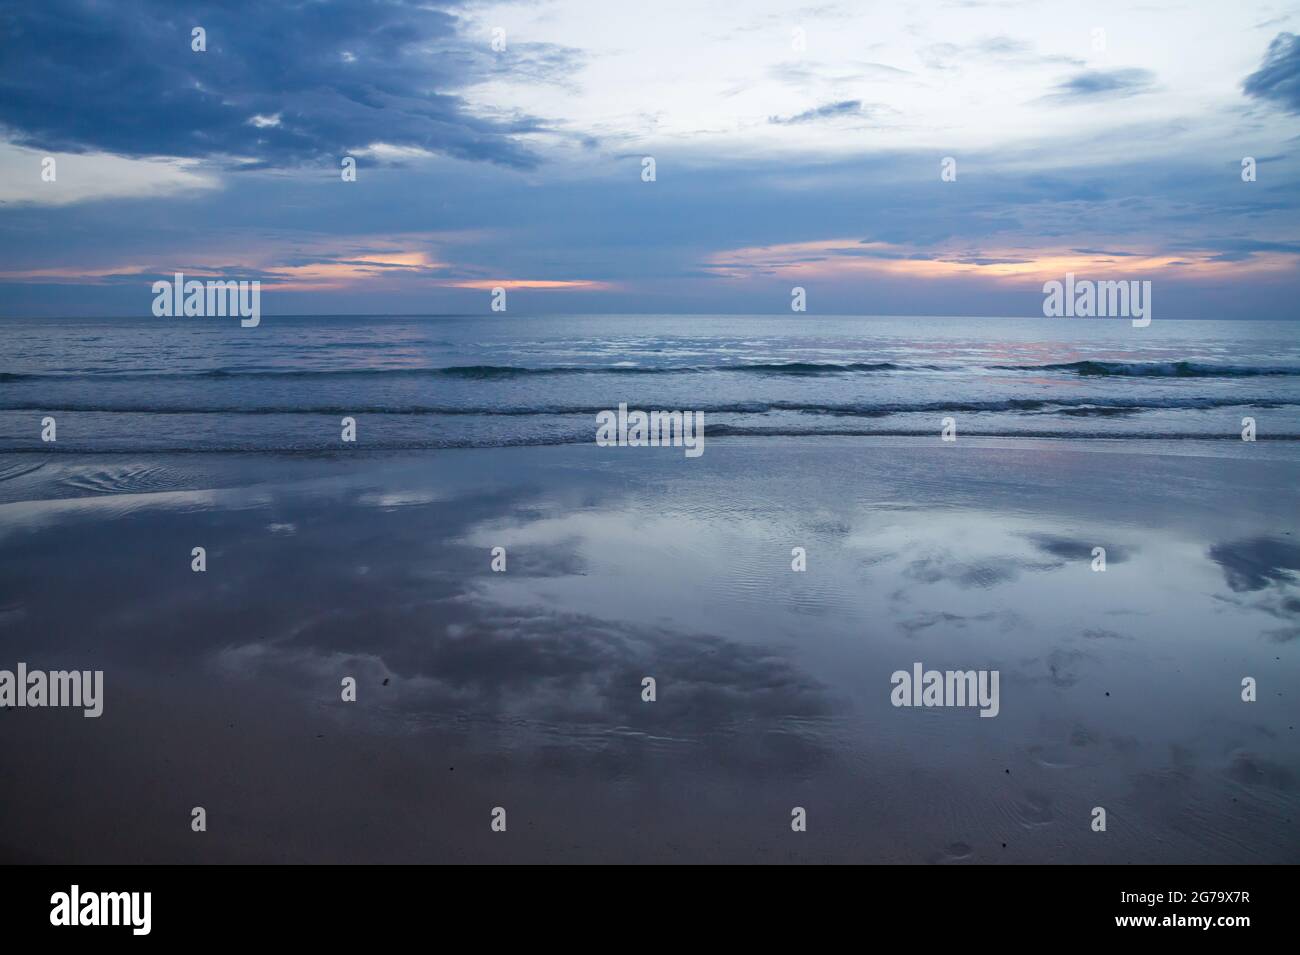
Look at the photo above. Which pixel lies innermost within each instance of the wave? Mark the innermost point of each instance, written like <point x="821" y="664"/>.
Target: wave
<point x="712" y="432"/>
<point x="1156" y="369"/>
<point x="797" y="369"/>
<point x="803" y="368"/>
<point x="483" y="372"/>
<point x="1065" y="406"/>
<point x="725" y="430"/>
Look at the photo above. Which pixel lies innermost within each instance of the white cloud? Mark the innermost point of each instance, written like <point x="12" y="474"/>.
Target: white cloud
<point x="84" y="177"/>
<point x="955" y="76"/>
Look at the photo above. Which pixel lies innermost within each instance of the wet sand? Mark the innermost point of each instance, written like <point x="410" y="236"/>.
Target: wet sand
<point x="523" y="689"/>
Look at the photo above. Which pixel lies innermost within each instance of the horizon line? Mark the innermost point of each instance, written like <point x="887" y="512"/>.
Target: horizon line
<point x="651" y="314"/>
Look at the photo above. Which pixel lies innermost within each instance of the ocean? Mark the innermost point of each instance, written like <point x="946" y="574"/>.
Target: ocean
<point x="187" y="384"/>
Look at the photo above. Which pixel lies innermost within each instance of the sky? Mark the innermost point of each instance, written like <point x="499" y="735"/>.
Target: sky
<point x="506" y="145"/>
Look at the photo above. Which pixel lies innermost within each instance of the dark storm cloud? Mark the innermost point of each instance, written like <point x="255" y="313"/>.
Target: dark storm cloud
<point x="1099" y="84"/>
<point x="1278" y="77"/>
<point x="122" y="78"/>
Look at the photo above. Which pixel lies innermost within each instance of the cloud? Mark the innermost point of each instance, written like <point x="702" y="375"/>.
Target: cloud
<point x="276" y="85"/>
<point x="708" y="241"/>
<point x="81" y="177"/>
<point x="1240" y="250"/>
<point x="1278" y="78"/>
<point x="799" y="73"/>
<point x="1003" y="50"/>
<point x="1104" y="84"/>
<point x="852" y="258"/>
<point x="848" y="107"/>
<point x="308" y="263"/>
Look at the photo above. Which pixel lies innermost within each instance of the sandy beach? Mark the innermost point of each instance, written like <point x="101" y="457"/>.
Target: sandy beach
<point x="523" y="689"/>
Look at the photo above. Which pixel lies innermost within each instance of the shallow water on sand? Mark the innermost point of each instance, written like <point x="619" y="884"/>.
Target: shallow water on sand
<point x="522" y="689"/>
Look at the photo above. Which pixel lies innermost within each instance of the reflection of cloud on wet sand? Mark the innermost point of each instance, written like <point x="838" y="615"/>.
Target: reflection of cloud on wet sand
<point x="1255" y="563"/>
<point x="1059" y="668"/>
<point x="1077" y="548"/>
<point x="980" y="550"/>
<point x="1261" y="569"/>
<point x="431" y="623"/>
<point x="406" y="594"/>
<point x="942" y="566"/>
<point x="562" y="674"/>
<point x="925" y="621"/>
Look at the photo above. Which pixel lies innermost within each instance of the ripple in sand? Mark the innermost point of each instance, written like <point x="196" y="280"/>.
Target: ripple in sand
<point x="1033" y="811"/>
<point x="1052" y="757"/>
<point x="952" y="853"/>
<point x="1252" y="770"/>
<point x="124" y="479"/>
<point x="19" y="469"/>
